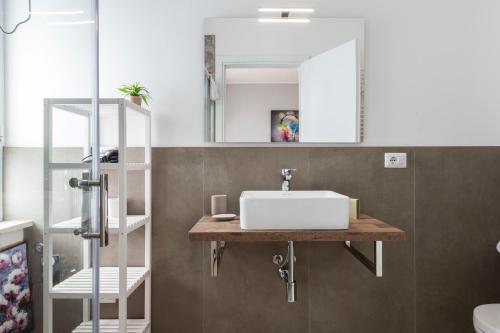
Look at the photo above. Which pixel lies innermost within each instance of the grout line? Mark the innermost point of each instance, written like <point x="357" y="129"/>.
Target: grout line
<point x="203" y="300"/>
<point x="202" y="244"/>
<point x="309" y="250"/>
<point x="309" y="168"/>
<point x="414" y="162"/>
<point x="309" y="287"/>
<point x="203" y="180"/>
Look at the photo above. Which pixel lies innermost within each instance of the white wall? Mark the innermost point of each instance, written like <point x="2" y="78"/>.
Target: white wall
<point x="432" y="69"/>
<point x="247" y="110"/>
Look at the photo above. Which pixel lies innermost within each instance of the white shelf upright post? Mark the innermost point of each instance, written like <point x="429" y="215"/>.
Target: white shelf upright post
<point x="147" y="229"/>
<point x="122" y="235"/>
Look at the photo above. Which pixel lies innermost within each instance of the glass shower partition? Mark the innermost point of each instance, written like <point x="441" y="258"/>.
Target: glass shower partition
<point x="57" y="125"/>
<point x="51" y="48"/>
<point x="89" y="187"/>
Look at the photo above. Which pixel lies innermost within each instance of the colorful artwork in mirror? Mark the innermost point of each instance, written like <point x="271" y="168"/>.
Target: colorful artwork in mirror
<point x="285" y="126"/>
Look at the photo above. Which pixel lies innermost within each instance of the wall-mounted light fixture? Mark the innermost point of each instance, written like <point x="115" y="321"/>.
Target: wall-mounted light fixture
<point x="284" y="20"/>
<point x="290" y="10"/>
<point x="285" y="15"/>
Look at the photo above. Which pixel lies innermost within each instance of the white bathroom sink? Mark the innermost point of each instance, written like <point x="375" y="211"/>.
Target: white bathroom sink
<point x="293" y="210"/>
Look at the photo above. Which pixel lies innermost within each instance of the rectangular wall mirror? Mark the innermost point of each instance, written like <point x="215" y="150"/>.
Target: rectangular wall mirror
<point x="284" y="82"/>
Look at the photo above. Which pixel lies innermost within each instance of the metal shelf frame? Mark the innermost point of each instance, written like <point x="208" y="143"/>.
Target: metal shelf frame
<point x="119" y="282"/>
<point x="108" y="326"/>
<point x="133" y="222"/>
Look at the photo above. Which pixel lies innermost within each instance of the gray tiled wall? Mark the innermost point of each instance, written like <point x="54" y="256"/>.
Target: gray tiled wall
<point x="457" y="226"/>
<point x="446" y="201"/>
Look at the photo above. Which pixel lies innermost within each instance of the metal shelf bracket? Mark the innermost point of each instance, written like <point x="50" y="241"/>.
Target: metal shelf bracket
<point x="375" y="265"/>
<point x="216" y="252"/>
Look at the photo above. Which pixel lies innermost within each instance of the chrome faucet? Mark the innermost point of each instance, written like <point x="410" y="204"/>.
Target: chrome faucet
<point x="286" y="177"/>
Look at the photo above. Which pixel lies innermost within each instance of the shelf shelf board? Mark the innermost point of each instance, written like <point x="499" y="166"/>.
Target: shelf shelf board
<point x="82" y="106"/>
<point x="104" y="166"/>
<point x="133" y="222"/>
<point x="364" y="229"/>
<point x="111" y="326"/>
<point x="79" y="285"/>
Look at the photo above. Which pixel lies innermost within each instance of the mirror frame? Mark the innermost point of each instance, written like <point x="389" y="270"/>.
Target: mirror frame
<point x="214" y="130"/>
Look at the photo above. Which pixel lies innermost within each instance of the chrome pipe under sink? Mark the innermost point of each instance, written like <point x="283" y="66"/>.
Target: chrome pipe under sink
<point x="286" y="270"/>
<point x="291" y="285"/>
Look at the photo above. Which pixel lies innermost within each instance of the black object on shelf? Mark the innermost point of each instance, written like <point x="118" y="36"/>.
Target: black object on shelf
<point x="106" y="156"/>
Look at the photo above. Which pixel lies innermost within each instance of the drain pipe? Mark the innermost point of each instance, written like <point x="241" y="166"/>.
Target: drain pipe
<point x="286" y="270"/>
<point x="291" y="286"/>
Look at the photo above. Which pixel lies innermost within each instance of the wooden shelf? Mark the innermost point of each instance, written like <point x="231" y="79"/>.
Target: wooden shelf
<point x="133" y="222"/>
<point x="79" y="285"/>
<point x="365" y="229"/>
<point x="111" y="326"/>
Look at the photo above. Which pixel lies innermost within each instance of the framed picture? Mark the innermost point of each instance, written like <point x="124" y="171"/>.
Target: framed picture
<point x="16" y="308"/>
<point x="285" y="126"/>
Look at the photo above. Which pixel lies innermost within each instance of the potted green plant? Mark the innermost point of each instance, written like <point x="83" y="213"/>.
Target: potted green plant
<point x="136" y="93"/>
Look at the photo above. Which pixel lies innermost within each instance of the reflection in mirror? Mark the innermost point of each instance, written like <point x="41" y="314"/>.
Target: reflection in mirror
<point x="252" y="96"/>
<point x="284" y="84"/>
<point x="328" y="95"/>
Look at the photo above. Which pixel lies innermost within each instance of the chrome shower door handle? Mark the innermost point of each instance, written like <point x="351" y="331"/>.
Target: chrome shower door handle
<point x="104" y="225"/>
<point x="86" y="186"/>
<point x="86" y="199"/>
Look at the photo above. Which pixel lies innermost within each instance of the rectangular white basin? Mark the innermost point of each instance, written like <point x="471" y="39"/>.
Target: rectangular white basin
<point x="293" y="210"/>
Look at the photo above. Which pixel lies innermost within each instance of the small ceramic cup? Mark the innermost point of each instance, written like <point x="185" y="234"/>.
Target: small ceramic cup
<point x="219" y="204"/>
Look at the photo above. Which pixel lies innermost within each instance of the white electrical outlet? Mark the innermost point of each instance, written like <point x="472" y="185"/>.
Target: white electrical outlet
<point x="395" y="160"/>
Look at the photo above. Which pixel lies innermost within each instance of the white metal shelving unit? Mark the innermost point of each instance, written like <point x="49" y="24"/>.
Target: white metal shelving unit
<point x="116" y="283"/>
